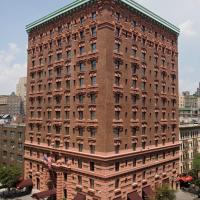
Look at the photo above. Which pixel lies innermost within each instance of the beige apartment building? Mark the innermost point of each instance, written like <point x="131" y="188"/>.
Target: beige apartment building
<point x="190" y="145"/>
<point x="102" y="101"/>
<point x="12" y="144"/>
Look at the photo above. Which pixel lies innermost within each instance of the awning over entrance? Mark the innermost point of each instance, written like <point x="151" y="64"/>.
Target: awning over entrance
<point x="44" y="194"/>
<point x="80" y="196"/>
<point x="118" y="198"/>
<point x="148" y="192"/>
<point x="24" y="183"/>
<point x="134" y="196"/>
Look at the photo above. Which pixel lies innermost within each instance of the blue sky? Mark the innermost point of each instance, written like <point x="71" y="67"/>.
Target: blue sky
<point x="15" y="14"/>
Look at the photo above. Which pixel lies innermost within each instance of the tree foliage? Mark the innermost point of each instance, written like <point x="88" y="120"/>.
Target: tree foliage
<point x="165" y="193"/>
<point x="9" y="175"/>
<point x="196" y="162"/>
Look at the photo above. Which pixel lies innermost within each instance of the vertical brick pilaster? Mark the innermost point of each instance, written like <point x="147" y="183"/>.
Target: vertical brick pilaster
<point x="69" y="187"/>
<point x="59" y="188"/>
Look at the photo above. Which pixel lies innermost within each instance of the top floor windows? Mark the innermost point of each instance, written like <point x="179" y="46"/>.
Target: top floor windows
<point x="94" y="15"/>
<point x="82" y="20"/>
<point x="117" y="16"/>
<point x="60" y="29"/>
<point x="134" y="23"/>
<point x="143" y="28"/>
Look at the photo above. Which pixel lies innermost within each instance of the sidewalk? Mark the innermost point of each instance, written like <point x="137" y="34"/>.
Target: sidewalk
<point x="181" y="195"/>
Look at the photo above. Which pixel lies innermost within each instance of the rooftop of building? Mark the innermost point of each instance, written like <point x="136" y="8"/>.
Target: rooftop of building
<point x="81" y="3"/>
<point x="12" y="125"/>
<point x="189" y="125"/>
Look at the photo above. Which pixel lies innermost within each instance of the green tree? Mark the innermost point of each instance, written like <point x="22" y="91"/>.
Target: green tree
<point x="9" y="176"/>
<point x="165" y="193"/>
<point x="196" y="165"/>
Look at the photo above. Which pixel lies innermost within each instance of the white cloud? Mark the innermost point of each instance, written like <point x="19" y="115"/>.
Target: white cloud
<point x="10" y="70"/>
<point x="187" y="28"/>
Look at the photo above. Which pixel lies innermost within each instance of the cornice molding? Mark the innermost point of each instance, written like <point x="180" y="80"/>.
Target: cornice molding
<point x="77" y="4"/>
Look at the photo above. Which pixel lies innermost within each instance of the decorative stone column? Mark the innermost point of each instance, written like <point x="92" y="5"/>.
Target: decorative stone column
<point x="69" y="187"/>
<point x="45" y="178"/>
<point x="59" y="185"/>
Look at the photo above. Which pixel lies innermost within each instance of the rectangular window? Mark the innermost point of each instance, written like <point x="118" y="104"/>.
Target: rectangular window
<point x="69" y="54"/>
<point x="91" y="183"/>
<point x="82" y="20"/>
<point x="82" y="50"/>
<point x="117" y="47"/>
<point x="79" y="180"/>
<point x="92" y="98"/>
<point x="93" y="47"/>
<point x="92" y="132"/>
<point x="94" y="31"/>
<point x="117" y="98"/>
<point x="80" y="131"/>
<point x="116" y="183"/>
<point x="59" y="56"/>
<point x="117" y="166"/>
<point x="117" y="80"/>
<point x="91" y="166"/>
<point x="57" y="114"/>
<point x="81" y="67"/>
<point x="134" y="52"/>
<point x="94" y="15"/>
<point x="82" y="35"/>
<point x="80" y="114"/>
<point x="80" y="99"/>
<point x="93" y="64"/>
<point x="80" y="165"/>
<point x="92" y="115"/>
<point x="81" y="82"/>
<point x="134" y="84"/>
<point x="92" y="149"/>
<point x="80" y="147"/>
<point x="117" y="64"/>
<point x="93" y="80"/>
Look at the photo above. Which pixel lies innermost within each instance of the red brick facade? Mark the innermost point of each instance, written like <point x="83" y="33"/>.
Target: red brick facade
<point x="102" y="102"/>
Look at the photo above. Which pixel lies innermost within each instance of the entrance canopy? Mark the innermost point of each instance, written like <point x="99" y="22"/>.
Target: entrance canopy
<point x="134" y="196"/>
<point x="118" y="198"/>
<point x="148" y="192"/>
<point x="44" y="194"/>
<point x="24" y="183"/>
<point x="80" y="196"/>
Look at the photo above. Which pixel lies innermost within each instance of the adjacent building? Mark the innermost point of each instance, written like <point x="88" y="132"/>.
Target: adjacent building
<point x="189" y="108"/>
<point x="21" y="90"/>
<point x="197" y="93"/>
<point x="11" y="104"/>
<point x="190" y="145"/>
<point x="12" y="144"/>
<point x="102" y="102"/>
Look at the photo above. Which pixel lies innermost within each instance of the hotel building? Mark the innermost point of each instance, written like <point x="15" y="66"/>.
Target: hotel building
<point x="102" y="101"/>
